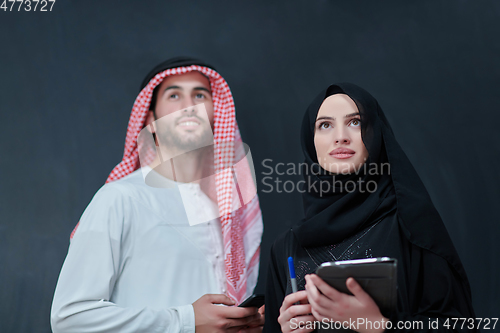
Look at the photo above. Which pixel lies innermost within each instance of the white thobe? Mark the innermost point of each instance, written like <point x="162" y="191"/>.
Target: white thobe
<point x="135" y="264"/>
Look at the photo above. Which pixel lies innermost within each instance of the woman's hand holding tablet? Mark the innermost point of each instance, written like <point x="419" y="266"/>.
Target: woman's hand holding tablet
<point x="329" y="304"/>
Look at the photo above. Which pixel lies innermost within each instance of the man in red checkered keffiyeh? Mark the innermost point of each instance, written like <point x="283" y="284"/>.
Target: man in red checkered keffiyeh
<point x="177" y="227"/>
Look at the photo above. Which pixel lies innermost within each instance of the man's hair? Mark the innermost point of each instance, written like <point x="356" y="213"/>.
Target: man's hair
<point x="152" y="106"/>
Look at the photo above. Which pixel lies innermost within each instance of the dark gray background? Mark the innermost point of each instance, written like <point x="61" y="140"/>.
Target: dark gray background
<point x="69" y="78"/>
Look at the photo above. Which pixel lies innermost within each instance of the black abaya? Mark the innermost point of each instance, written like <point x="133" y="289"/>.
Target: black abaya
<point x="396" y="220"/>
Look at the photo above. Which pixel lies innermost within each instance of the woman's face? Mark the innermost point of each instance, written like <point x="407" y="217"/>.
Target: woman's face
<point x="337" y="135"/>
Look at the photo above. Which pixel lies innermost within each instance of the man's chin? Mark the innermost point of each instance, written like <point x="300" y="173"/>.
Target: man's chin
<point x="188" y="134"/>
<point x="191" y="143"/>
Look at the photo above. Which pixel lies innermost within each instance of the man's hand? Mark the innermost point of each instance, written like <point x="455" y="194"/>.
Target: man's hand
<point x="294" y="318"/>
<point x="256" y="325"/>
<point x="329" y="303"/>
<point x="212" y="318"/>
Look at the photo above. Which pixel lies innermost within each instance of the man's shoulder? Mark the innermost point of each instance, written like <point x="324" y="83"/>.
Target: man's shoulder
<point x="116" y="198"/>
<point x="125" y="187"/>
<point x="131" y="195"/>
<point x="129" y="183"/>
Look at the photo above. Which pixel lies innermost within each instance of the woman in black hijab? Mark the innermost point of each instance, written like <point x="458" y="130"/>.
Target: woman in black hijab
<point x="365" y="200"/>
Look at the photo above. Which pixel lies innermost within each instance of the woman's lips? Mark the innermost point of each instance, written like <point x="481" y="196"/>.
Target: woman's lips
<point x="342" y="153"/>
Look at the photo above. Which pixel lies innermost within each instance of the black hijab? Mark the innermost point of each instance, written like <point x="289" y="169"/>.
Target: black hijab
<point x="345" y="210"/>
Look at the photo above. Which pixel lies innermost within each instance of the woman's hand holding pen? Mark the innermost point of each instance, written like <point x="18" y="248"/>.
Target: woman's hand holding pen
<point x="294" y="317"/>
<point x="327" y="302"/>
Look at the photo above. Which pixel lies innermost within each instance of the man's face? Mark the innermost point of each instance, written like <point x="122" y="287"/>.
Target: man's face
<point x="184" y="125"/>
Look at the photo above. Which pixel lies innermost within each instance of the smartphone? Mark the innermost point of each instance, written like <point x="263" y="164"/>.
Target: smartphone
<point x="253" y="301"/>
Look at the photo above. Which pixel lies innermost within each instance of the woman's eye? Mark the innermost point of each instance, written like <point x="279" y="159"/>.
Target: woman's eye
<point x="356" y="122"/>
<point x="324" y="125"/>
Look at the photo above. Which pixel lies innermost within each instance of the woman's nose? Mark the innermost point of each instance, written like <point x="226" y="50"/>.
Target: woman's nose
<point x="341" y="137"/>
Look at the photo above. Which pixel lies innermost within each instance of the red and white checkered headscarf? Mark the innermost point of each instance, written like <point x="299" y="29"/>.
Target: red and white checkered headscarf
<point x="241" y="229"/>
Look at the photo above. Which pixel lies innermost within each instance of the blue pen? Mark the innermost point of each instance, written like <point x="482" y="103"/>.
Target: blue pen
<point x="291" y="268"/>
